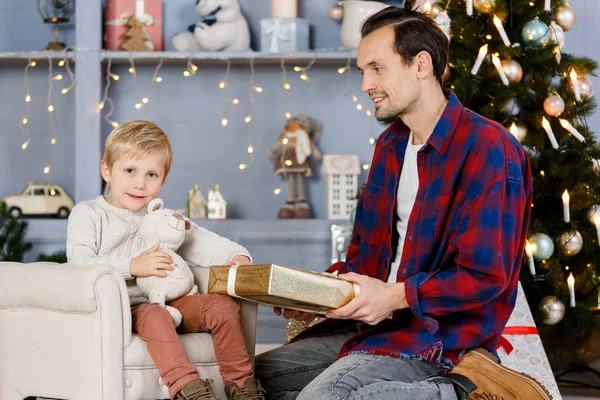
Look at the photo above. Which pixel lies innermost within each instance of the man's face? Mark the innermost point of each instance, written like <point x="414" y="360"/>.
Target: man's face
<point x="392" y="85"/>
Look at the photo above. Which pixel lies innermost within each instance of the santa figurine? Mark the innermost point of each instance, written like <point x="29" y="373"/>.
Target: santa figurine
<point x="292" y="154"/>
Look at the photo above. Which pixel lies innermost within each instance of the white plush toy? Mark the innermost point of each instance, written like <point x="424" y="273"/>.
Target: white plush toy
<point x="223" y="28"/>
<point x="167" y="227"/>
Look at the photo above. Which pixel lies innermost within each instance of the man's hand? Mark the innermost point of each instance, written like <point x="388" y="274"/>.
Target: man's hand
<point x="375" y="302"/>
<point x="151" y="263"/>
<point x="297" y="315"/>
<point x="239" y="260"/>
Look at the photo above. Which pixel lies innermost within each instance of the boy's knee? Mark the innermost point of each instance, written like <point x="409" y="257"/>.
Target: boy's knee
<point x="156" y="316"/>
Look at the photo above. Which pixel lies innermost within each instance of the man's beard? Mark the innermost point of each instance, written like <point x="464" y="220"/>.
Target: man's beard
<point x="389" y="114"/>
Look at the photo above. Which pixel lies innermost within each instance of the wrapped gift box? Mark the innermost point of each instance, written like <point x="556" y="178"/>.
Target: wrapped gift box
<point x="280" y="286"/>
<point x="283" y="35"/>
<point x="117" y="14"/>
<point x="524" y="351"/>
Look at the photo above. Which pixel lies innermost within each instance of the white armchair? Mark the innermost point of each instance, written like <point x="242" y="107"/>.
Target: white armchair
<point x="65" y="332"/>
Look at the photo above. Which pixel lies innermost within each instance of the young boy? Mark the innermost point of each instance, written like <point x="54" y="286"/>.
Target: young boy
<point x="136" y="162"/>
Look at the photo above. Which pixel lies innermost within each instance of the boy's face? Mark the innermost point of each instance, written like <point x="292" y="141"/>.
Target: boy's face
<point x="135" y="181"/>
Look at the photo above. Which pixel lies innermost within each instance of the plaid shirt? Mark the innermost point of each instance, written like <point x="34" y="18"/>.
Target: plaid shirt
<point x="464" y="242"/>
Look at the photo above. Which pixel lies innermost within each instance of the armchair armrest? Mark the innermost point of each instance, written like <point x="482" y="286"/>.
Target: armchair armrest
<point x="65" y="288"/>
<point x="248" y="309"/>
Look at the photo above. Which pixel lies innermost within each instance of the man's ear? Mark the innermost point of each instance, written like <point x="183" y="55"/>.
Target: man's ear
<point x="105" y="171"/>
<point x="424" y="64"/>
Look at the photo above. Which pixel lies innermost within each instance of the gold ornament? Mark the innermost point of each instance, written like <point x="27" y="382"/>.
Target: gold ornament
<point x="484" y="6"/>
<point x="513" y="70"/>
<point x="446" y="74"/>
<point x="552" y="309"/>
<point x="566" y="17"/>
<point x="554" y="105"/>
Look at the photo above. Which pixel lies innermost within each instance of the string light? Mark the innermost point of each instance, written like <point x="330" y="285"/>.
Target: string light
<point x="106" y="99"/>
<point x="65" y="62"/>
<point x="224" y="84"/>
<point x="133" y="72"/>
<point x="286" y="86"/>
<point x="25" y="119"/>
<point x="304" y="70"/>
<point x="250" y="118"/>
<point x="190" y="68"/>
<point x="155" y="79"/>
<point x="52" y="129"/>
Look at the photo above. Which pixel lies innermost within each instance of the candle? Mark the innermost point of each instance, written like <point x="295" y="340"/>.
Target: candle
<point x="597" y="223"/>
<point x="482" y="53"/>
<point x="567" y="125"/>
<point x="469" y="7"/>
<point x="501" y="72"/>
<point x="529" y="252"/>
<point x="549" y="132"/>
<point x="571" y="285"/>
<point x="501" y="31"/>
<point x="566" y="213"/>
<point x="285" y="8"/>
<point x="575" y="83"/>
<point x="547" y="5"/>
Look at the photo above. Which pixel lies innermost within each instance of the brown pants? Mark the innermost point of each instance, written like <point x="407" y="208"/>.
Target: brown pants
<point x="213" y="313"/>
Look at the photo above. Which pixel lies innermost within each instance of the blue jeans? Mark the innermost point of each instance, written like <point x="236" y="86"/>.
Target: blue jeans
<point x="307" y="370"/>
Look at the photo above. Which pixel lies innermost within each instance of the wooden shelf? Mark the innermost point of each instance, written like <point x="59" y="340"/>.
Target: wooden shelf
<point x="328" y="56"/>
<point x="36" y="55"/>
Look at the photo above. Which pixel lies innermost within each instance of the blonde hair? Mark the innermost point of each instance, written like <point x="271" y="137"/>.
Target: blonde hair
<point x="138" y="139"/>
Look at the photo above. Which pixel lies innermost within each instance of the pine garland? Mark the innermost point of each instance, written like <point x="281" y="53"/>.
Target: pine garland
<point x="12" y="236"/>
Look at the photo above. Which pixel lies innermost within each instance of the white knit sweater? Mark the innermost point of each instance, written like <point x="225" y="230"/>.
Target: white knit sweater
<point x="100" y="233"/>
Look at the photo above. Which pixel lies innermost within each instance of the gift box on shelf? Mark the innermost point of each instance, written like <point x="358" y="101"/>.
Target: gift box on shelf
<point x="521" y="348"/>
<point x="282" y="286"/>
<point x="283" y="35"/>
<point x="117" y="21"/>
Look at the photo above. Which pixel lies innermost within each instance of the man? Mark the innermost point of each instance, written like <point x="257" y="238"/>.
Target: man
<point x="436" y="246"/>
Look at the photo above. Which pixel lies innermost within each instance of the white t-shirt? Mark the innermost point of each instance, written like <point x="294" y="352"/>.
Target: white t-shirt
<point x="405" y="200"/>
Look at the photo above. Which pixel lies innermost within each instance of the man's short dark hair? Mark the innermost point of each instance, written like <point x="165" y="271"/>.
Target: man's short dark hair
<point x="415" y="32"/>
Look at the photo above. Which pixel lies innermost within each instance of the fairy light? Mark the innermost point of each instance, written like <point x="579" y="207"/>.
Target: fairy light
<point x="250" y="149"/>
<point x="372" y="140"/>
<point x="190" y="68"/>
<point x="224" y="84"/>
<point x="57" y="77"/>
<point x="277" y="191"/>
<point x="51" y="127"/>
<point x="115" y="77"/>
<point x="235" y="101"/>
<point x="25" y="119"/>
<point x="304" y="70"/>
<point x="65" y="62"/>
<point x="366" y="167"/>
<point x="107" y="100"/>
<point x="243" y="166"/>
<point x="32" y="64"/>
<point x="284" y="80"/>
<point x="155" y="79"/>
<point x="248" y="119"/>
<point x="131" y="70"/>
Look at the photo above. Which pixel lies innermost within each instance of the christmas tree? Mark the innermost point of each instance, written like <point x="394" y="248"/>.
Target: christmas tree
<point x="506" y="64"/>
<point x="12" y="236"/>
<point x="137" y="38"/>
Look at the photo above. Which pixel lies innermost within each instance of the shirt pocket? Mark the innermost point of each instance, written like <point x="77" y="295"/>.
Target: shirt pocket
<point x="373" y="214"/>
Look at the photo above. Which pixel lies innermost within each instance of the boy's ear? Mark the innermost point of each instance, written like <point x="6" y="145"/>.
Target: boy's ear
<point x="105" y="171"/>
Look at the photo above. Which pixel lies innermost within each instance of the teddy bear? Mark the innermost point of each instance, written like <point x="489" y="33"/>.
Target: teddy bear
<point x="167" y="227"/>
<point x="223" y="28"/>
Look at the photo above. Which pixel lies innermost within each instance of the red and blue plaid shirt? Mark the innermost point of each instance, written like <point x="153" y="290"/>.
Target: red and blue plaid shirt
<point x="464" y="242"/>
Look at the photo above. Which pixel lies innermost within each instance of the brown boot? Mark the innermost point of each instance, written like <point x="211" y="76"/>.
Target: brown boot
<point x="199" y="389"/>
<point x="302" y="210"/>
<point x="495" y="381"/>
<point x="287" y="211"/>
<point x="251" y="390"/>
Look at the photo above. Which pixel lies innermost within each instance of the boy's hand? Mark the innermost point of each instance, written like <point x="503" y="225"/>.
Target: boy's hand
<point x="151" y="263"/>
<point x="239" y="260"/>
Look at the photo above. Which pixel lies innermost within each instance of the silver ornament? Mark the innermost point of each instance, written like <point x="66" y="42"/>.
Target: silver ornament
<point x="543" y="246"/>
<point x="554" y="105"/>
<point x="484" y="6"/>
<point x="552" y="310"/>
<point x="566" y="17"/>
<point x="513" y="70"/>
<point x="570" y="243"/>
<point x="595" y="209"/>
<point x="557" y="34"/>
<point x="336" y="12"/>
<point x="511" y="107"/>
<point x="535" y="33"/>
<point x="586" y="89"/>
